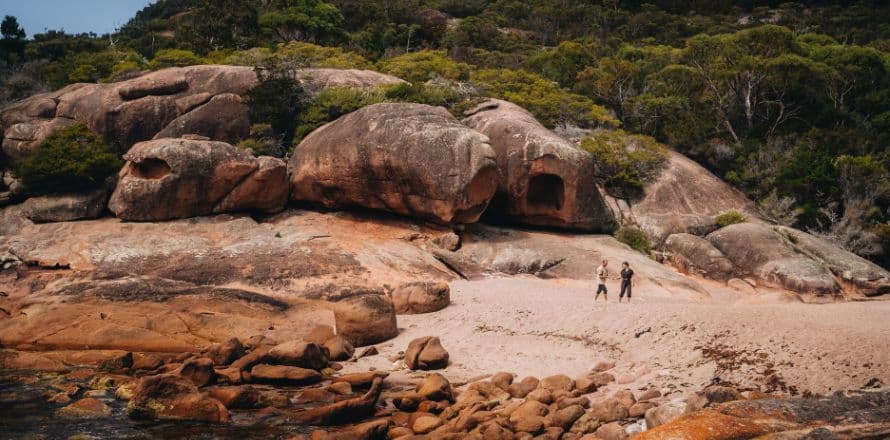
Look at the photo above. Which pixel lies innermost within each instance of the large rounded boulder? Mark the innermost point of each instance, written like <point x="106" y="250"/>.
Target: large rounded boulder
<point x="410" y="159"/>
<point x="696" y="254"/>
<point x="176" y="178"/>
<point x="544" y="179"/>
<point x="761" y="251"/>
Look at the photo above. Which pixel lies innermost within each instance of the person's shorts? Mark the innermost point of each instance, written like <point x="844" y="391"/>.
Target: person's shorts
<point x="625" y="287"/>
<point x="602" y="289"/>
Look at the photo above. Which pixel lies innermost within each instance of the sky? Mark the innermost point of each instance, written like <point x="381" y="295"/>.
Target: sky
<point x="74" y="16"/>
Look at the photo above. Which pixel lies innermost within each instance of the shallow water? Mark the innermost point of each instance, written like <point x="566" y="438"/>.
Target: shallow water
<point x="26" y="414"/>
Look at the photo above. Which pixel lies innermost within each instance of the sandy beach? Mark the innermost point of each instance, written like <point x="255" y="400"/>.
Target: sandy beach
<point x="531" y="326"/>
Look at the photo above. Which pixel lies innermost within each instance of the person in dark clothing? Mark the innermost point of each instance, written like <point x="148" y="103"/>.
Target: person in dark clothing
<point x="627" y="282"/>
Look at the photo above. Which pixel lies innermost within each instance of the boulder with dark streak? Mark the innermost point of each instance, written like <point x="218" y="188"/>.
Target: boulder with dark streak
<point x="410" y="159"/>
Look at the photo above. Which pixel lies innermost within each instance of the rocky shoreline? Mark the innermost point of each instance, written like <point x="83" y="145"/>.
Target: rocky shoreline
<point x="297" y="389"/>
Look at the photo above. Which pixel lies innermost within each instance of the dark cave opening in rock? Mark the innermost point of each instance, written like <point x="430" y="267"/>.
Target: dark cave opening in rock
<point x="151" y="169"/>
<point x="546" y="193"/>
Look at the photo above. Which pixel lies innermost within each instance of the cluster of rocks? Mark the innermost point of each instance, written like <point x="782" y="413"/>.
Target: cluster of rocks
<point x="302" y="383"/>
<point x="177" y="126"/>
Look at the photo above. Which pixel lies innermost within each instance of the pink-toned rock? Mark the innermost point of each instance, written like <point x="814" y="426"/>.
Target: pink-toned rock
<point x="544" y="179"/>
<point x="426" y="353"/>
<point x="684" y="197"/>
<point x="298" y="353"/>
<point x="22" y="139"/>
<point x="198" y="370"/>
<point x="138" y="109"/>
<point x="757" y="249"/>
<point x="224" y="117"/>
<point x="173" y="178"/>
<point x="410" y="159"/>
<point x="365" y="319"/>
<point x="421" y="297"/>
<point x="693" y="254"/>
<point x="281" y="374"/>
<point x="236" y="397"/>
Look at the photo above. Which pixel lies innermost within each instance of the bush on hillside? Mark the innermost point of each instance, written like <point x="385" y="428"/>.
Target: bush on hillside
<point x="624" y="162"/>
<point x="424" y="65"/>
<point x="421" y="94"/>
<point x="543" y="98"/>
<point x="174" y="58"/>
<point x="73" y="160"/>
<point x="730" y="218"/>
<point x="635" y="238"/>
<point x="263" y="141"/>
<point x="276" y="101"/>
<point x="332" y="103"/>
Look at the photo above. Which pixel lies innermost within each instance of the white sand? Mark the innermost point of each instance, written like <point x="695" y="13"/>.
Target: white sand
<point x="531" y="326"/>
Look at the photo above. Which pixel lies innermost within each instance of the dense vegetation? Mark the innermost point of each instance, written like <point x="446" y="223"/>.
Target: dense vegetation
<point x="788" y="101"/>
<point x="72" y="160"/>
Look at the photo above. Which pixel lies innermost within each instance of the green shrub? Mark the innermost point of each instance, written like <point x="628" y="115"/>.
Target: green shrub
<point x="263" y="141"/>
<point x="624" y="162"/>
<point x="73" y="160"/>
<point x="543" y="98"/>
<point x="424" y="65"/>
<point x="333" y="103"/>
<point x="276" y="101"/>
<point x="174" y="58"/>
<point x="635" y="238"/>
<point x="299" y="54"/>
<point x="730" y="218"/>
<point x="421" y="94"/>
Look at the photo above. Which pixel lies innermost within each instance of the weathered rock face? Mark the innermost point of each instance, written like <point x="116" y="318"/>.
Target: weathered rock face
<point x="487" y="249"/>
<point x="224" y="117"/>
<point x="20" y="140"/>
<point x="685" y="197"/>
<point x="855" y="272"/>
<point x="544" y="179"/>
<point x="698" y="255"/>
<point x="174" y="178"/>
<point x="411" y="159"/>
<point x="365" y="319"/>
<point x="316" y="79"/>
<point x="759" y="250"/>
<point x="63" y="208"/>
<point x="421" y="297"/>
<point x="201" y="100"/>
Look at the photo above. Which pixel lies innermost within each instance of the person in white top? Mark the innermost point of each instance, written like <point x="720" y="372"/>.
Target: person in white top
<point x="602" y="273"/>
